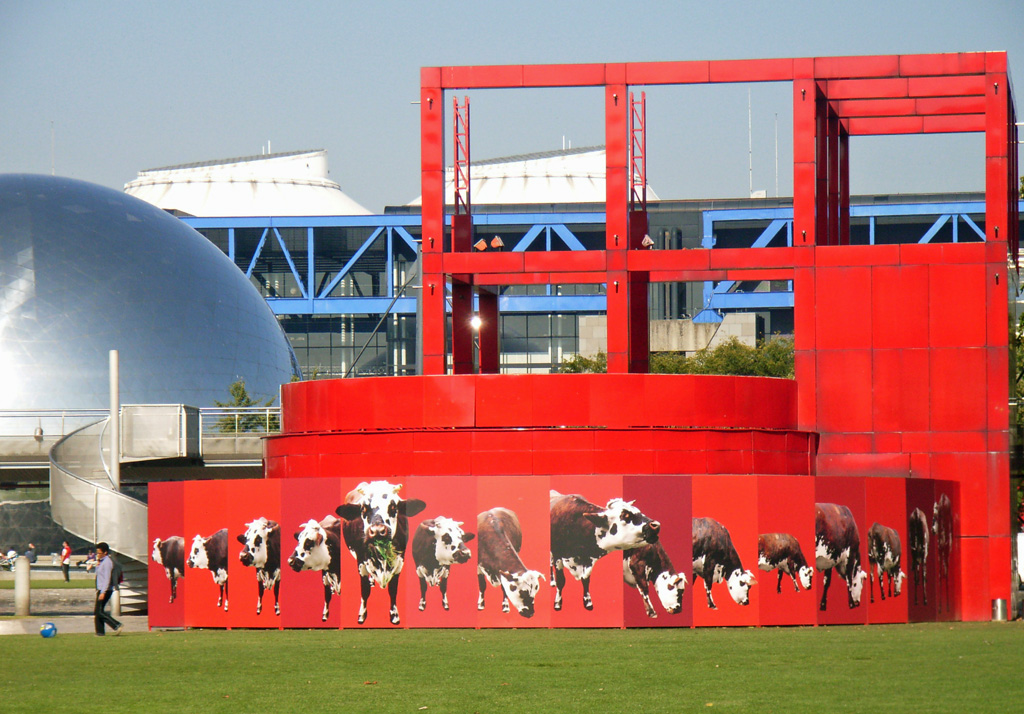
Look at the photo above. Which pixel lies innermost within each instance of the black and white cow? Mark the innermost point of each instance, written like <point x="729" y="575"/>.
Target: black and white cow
<point x="376" y="532"/>
<point x="650" y="565"/>
<point x="319" y="548"/>
<point x="885" y="553"/>
<point x="499" y="540"/>
<point x="211" y="553"/>
<point x="582" y="533"/>
<point x="438" y="544"/>
<point x="170" y="553"/>
<point x="917" y="537"/>
<point x="942" y="528"/>
<point x="782" y="551"/>
<point x="715" y="560"/>
<point x="837" y="547"/>
<point x="261" y="549"/>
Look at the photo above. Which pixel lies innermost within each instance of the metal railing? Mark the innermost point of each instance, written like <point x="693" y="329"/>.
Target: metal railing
<point x="239" y="421"/>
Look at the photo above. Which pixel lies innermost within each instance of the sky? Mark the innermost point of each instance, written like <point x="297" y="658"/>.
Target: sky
<point x="102" y="90"/>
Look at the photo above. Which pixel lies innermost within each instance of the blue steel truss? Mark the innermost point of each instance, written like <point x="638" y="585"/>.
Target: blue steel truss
<point x="527" y="229"/>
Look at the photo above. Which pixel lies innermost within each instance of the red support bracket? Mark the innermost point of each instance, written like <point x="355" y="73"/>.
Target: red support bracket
<point x="463" y="202"/>
<point x="638" y="152"/>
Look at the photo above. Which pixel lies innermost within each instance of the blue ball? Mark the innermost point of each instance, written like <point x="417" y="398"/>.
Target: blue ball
<point x="48" y="629"/>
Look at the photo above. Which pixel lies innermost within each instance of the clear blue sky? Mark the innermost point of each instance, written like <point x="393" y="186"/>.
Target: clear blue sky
<point x="134" y="85"/>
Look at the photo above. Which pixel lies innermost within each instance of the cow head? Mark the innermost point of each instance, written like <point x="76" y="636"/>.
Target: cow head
<point x="157" y="556"/>
<point x="521" y="589"/>
<point x="379" y="506"/>
<point x="806" y="575"/>
<point x="197" y="557"/>
<point x="670" y="588"/>
<point x="311" y="552"/>
<point x="857" y="586"/>
<point x="254" y="542"/>
<point x="621" y="526"/>
<point x="739" y="583"/>
<point x="899" y="581"/>
<point x="450" y="541"/>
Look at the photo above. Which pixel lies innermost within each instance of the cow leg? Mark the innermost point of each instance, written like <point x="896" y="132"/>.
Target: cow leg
<point x="443" y="585"/>
<point x="423" y="593"/>
<point x="778" y="586"/>
<point x="648" y="606"/>
<point x="174" y="586"/>
<point x="588" y="604"/>
<point x="327" y="601"/>
<point x="364" y="596"/>
<point x="482" y="581"/>
<point x="393" y="595"/>
<point x="824" y="590"/>
<point x="259" y="596"/>
<point x="559" y="584"/>
<point x="277" y="593"/>
<point x="707" y="591"/>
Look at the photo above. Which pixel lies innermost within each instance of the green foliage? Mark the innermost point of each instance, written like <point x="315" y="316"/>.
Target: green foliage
<point x="578" y="364"/>
<point x="770" y="358"/>
<point x="244" y="423"/>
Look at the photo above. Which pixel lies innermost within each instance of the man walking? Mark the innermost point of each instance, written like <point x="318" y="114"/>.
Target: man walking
<point x="105" y="584"/>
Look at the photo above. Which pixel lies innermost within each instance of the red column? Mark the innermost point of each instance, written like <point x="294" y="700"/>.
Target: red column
<point x="616" y="224"/>
<point x="432" y="182"/>
<point x="490" y="330"/>
<point x="844" y="185"/>
<point x="462" y="328"/>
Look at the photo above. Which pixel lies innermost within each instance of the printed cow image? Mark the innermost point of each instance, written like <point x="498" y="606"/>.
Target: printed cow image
<point x="499" y="540"/>
<point x="376" y="532"/>
<point x="884" y="555"/>
<point x="917" y="536"/>
<point x="261" y="549"/>
<point x="781" y="551"/>
<point x="437" y="545"/>
<point x="170" y="553"/>
<point x="211" y="554"/>
<point x="942" y="528"/>
<point x="319" y="548"/>
<point x="650" y="565"/>
<point x="837" y="547"/>
<point x="715" y="560"/>
<point x="582" y="533"/>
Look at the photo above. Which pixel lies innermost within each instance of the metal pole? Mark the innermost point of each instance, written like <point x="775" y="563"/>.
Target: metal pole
<point x="115" y="422"/>
<point x="22" y="587"/>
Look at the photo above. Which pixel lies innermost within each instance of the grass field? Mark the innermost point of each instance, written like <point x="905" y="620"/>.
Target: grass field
<point x="902" y="668"/>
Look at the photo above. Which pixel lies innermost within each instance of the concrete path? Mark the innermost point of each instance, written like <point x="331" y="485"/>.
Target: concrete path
<point x="69" y="610"/>
<point x="67" y="625"/>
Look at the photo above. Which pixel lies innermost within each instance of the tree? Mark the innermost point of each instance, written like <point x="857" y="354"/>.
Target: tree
<point x="578" y="364"/>
<point x="769" y="358"/>
<point x="245" y="422"/>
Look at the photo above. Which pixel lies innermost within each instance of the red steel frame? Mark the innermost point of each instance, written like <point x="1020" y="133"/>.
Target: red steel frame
<point x="921" y="394"/>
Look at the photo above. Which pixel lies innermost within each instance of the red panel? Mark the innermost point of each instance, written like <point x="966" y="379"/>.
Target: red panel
<point x="449" y="401"/>
<point x="558" y="401"/>
<point x="976" y="600"/>
<point x="835" y="290"/>
<point x="947" y="552"/>
<point x="731" y="501"/>
<point x="505" y="461"/>
<point x="618" y="401"/>
<point x="950" y="105"/>
<point x="167" y="521"/>
<point x="881" y="126"/>
<point x="563" y="75"/>
<point x="972" y="473"/>
<point x="448" y="497"/>
<point x="693" y="260"/>
<point x="510" y="262"/>
<point x="875" y="107"/>
<point x="250" y="501"/>
<point x="847" y="492"/>
<point x="680" y="462"/>
<point x="868" y="88"/>
<point x="840" y="67"/>
<point x="527" y="497"/>
<point x="302" y="593"/>
<point x="951" y="63"/>
<point x="946" y="86"/>
<point x="641" y="73"/>
<point x="482" y="77"/>
<point x="204" y="517"/>
<point x="761" y="70"/>
<point x="786" y="506"/>
<point x="665" y="499"/>
<point x="886" y="505"/>
<point x="899" y="306"/>
<point x="844" y="390"/>
<point x="504" y="400"/>
<point x="958" y="403"/>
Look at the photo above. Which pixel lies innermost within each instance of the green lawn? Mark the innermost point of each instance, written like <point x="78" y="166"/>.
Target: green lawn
<point x="905" y="668"/>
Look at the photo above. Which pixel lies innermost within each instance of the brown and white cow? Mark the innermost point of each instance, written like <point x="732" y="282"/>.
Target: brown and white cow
<point x="211" y="553"/>
<point x="650" y="565"/>
<point x="917" y="537"/>
<point x="261" y="549"/>
<point x="318" y="547"/>
<point x="782" y="551"/>
<point x="438" y="544"/>
<point x="715" y="560"/>
<point x="582" y="533"/>
<point x="884" y="555"/>
<point x="376" y="533"/>
<point x="170" y="553"/>
<point x="837" y="547"/>
<point x="499" y="540"/>
<point x="942" y="528"/>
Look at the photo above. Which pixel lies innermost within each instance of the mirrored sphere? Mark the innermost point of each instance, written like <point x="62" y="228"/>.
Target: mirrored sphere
<point x="85" y="269"/>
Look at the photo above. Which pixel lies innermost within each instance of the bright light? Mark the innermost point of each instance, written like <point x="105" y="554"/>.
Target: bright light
<point x="475" y="322"/>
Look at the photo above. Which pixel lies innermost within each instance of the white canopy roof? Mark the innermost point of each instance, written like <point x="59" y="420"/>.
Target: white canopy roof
<point x="285" y="184"/>
<point x="563" y="176"/>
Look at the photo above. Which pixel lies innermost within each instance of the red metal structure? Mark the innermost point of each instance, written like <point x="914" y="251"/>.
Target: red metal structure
<point x="914" y="388"/>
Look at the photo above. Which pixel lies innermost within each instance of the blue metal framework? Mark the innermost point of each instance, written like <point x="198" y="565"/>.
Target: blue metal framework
<point x="548" y="231"/>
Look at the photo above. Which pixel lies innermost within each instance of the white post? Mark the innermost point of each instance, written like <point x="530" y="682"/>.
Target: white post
<point x="22" y="587"/>
<point x="115" y="422"/>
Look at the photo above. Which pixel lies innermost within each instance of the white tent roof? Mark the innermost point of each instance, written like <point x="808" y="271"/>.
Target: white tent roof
<point x="565" y="176"/>
<point x="285" y="184"/>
